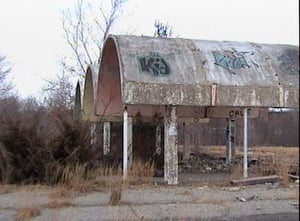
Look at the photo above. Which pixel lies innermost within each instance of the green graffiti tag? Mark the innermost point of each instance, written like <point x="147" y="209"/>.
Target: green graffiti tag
<point x="153" y="64"/>
<point x="289" y="62"/>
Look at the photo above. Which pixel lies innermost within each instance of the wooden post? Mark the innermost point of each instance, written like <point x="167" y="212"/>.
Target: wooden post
<point x="245" y="144"/>
<point x="106" y="138"/>
<point x="171" y="145"/>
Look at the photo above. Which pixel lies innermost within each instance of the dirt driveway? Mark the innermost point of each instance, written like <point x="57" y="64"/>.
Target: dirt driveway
<point x="193" y="201"/>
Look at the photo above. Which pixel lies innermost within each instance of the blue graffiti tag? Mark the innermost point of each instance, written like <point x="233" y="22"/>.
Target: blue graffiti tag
<point x="289" y="62"/>
<point x="153" y="64"/>
<point x="234" y="60"/>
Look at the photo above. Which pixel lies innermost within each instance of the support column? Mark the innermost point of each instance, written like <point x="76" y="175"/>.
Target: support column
<point x="230" y="144"/>
<point x="106" y="138"/>
<point x="245" y="168"/>
<point x="158" y="140"/>
<point x="186" y="144"/>
<point x="93" y="134"/>
<point x="171" y="145"/>
<point x="127" y="142"/>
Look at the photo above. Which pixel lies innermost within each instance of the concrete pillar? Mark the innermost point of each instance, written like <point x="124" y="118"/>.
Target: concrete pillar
<point x="186" y="143"/>
<point x="106" y="138"/>
<point x="230" y="144"/>
<point x="127" y="143"/>
<point x="129" y="140"/>
<point x="158" y="140"/>
<point x="171" y="145"/>
<point x="245" y="168"/>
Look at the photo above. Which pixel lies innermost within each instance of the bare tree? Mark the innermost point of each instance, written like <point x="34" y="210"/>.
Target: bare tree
<point x="60" y="92"/>
<point x="5" y="85"/>
<point x="162" y="30"/>
<point x="86" y="27"/>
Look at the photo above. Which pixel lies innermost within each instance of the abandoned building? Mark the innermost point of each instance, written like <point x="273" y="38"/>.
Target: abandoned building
<point x="169" y="84"/>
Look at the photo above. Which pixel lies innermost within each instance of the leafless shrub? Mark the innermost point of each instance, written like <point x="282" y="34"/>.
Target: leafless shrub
<point x="5" y="165"/>
<point x="38" y="141"/>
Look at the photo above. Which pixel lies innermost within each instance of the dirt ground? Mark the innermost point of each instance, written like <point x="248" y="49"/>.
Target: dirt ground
<point x="200" y="195"/>
<point x="193" y="201"/>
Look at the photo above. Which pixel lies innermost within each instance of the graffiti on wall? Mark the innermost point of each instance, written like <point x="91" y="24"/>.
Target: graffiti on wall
<point x="231" y="60"/>
<point x="153" y="64"/>
<point x="289" y="62"/>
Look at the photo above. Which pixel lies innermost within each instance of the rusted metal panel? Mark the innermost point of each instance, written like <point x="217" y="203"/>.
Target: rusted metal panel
<point x="174" y="71"/>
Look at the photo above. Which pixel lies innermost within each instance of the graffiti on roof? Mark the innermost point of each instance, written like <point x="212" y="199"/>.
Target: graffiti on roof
<point x="153" y="64"/>
<point x="231" y="60"/>
<point x="289" y="62"/>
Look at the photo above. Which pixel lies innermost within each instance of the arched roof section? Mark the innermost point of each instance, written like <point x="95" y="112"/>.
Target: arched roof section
<point x="90" y="92"/>
<point x="77" y="103"/>
<point x="144" y="70"/>
<point x="109" y="99"/>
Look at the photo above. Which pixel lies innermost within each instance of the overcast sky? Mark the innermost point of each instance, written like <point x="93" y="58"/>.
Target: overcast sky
<point x="31" y="33"/>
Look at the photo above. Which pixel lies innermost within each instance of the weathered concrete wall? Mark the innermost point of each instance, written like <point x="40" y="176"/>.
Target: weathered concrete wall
<point x="183" y="72"/>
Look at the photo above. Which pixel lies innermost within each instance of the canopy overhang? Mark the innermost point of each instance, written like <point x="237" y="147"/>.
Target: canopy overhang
<point x="139" y="70"/>
<point x="149" y="76"/>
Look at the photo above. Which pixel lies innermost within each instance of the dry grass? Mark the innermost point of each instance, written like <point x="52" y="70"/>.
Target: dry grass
<point x="59" y="204"/>
<point x="7" y="188"/>
<point x="81" y="179"/>
<point x="237" y="171"/>
<point x="213" y="202"/>
<point x="141" y="172"/>
<point x="27" y="213"/>
<point x="61" y="192"/>
<point x="78" y="177"/>
<point x="267" y="161"/>
<point x="116" y="192"/>
<point x="280" y="161"/>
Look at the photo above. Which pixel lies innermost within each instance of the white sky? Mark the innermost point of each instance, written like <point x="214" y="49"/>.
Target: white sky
<point x="31" y="34"/>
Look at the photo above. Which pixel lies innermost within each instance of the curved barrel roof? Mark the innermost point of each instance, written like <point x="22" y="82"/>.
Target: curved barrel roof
<point x="176" y="71"/>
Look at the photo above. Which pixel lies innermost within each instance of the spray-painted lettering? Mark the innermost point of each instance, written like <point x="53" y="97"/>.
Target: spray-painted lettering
<point x="289" y="62"/>
<point x="238" y="112"/>
<point x="231" y="60"/>
<point x="153" y="64"/>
